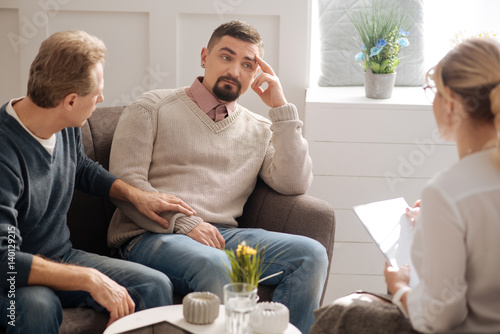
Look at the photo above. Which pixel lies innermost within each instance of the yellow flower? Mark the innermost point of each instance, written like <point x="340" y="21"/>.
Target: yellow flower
<point x="246" y="264"/>
<point x="245" y="250"/>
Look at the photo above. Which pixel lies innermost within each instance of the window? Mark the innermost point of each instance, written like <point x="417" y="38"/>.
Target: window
<point x="444" y="19"/>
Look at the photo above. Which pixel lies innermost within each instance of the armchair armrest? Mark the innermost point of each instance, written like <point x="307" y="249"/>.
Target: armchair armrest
<point x="301" y="215"/>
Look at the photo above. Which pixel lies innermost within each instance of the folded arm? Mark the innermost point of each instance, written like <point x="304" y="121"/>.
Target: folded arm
<point x="130" y="160"/>
<point x="149" y="204"/>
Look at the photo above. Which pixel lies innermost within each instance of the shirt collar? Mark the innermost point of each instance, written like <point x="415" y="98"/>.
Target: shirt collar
<point x="49" y="144"/>
<point x="204" y="98"/>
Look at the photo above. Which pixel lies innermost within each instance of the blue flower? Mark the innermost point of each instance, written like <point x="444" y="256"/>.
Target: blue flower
<point x="363" y="47"/>
<point x="375" y="51"/>
<point x="381" y="43"/>
<point x="403" y="42"/>
<point x="359" y="56"/>
<point x="403" y="33"/>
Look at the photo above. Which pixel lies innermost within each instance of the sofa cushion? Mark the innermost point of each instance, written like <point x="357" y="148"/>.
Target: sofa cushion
<point x="88" y="216"/>
<point x="83" y="321"/>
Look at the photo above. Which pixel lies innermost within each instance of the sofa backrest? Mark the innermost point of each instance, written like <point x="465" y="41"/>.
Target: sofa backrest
<point x="88" y="216"/>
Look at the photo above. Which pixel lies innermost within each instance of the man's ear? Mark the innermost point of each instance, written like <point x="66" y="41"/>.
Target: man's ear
<point x="204" y="54"/>
<point x="69" y="101"/>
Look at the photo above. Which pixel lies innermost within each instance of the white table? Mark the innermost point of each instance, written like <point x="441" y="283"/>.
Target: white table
<point x="173" y="314"/>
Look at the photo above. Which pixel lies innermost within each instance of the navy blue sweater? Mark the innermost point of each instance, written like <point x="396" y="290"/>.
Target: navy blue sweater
<point x="35" y="194"/>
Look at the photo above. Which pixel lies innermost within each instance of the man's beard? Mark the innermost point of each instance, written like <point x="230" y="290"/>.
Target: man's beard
<point x="224" y="91"/>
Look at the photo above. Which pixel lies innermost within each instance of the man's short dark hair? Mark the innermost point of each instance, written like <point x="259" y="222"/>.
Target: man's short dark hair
<point x="237" y="29"/>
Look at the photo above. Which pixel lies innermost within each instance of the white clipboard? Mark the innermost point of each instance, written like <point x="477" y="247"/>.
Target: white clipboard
<point x="391" y="229"/>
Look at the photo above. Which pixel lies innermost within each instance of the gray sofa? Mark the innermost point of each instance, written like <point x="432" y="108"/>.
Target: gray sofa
<point x="88" y="217"/>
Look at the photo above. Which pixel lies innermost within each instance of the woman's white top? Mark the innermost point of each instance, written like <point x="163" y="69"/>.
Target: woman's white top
<point x="456" y="249"/>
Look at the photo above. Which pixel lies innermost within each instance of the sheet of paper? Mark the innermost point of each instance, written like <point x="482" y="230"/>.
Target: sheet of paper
<point x="391" y="229"/>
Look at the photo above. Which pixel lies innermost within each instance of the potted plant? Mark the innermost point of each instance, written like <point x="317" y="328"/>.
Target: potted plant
<point x="382" y="28"/>
<point x="244" y="273"/>
<point x="246" y="264"/>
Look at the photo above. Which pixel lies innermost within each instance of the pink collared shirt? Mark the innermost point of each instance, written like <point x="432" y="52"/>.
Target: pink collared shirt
<point x="209" y="103"/>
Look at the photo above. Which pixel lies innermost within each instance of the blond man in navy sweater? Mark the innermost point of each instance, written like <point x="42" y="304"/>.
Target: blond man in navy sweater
<point x="41" y="162"/>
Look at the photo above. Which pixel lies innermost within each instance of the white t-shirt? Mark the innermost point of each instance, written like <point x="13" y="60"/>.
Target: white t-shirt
<point x="456" y="249"/>
<point x="48" y="144"/>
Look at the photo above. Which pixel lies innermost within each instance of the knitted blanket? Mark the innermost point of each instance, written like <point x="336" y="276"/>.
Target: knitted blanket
<point x="360" y="314"/>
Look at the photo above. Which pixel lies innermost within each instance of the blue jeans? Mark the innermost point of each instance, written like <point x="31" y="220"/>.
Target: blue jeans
<point x="38" y="309"/>
<point x="192" y="266"/>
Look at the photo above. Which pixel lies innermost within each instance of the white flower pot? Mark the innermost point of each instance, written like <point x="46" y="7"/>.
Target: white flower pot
<point x="200" y="308"/>
<point x="378" y="86"/>
<point x="270" y="318"/>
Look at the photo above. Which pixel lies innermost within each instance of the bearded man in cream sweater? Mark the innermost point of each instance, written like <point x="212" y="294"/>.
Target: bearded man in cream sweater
<point x="198" y="144"/>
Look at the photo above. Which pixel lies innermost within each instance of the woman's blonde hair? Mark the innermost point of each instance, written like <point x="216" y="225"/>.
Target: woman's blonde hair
<point x="63" y="66"/>
<point x="472" y="71"/>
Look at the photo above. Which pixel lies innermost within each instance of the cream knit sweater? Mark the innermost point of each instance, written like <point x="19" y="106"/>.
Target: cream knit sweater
<point x="164" y="142"/>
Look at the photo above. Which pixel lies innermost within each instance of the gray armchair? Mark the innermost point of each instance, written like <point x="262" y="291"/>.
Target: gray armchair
<point x="88" y="217"/>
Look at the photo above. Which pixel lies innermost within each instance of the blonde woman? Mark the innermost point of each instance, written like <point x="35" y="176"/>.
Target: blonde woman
<point x="456" y="248"/>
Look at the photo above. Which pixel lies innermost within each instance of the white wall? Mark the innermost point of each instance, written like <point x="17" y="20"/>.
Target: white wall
<point x="155" y="43"/>
<point x="371" y="150"/>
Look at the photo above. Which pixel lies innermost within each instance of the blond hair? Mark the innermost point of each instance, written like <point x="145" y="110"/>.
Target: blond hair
<point x="63" y="66"/>
<point x="472" y="71"/>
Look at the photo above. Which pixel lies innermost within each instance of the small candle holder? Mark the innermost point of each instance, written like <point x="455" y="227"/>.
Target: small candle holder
<point x="200" y="308"/>
<point x="270" y="318"/>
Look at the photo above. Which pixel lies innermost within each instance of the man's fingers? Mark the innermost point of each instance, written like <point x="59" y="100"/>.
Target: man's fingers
<point x="210" y="243"/>
<point x="159" y="220"/>
<point x="218" y="239"/>
<point x="124" y="307"/>
<point x="266" y="68"/>
<point x="174" y="203"/>
<point x="111" y="320"/>
<point x="215" y="242"/>
<point x="113" y="316"/>
<point x="222" y="242"/>
<point x="185" y="209"/>
<point x="208" y="235"/>
<point x="177" y="208"/>
<point x="112" y="296"/>
<point x="121" y="310"/>
<point x="130" y="304"/>
<point x="258" y="90"/>
<point x="261" y="79"/>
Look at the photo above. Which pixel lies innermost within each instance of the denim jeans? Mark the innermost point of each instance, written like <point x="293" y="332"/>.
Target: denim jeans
<point x="192" y="266"/>
<point x="38" y="309"/>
